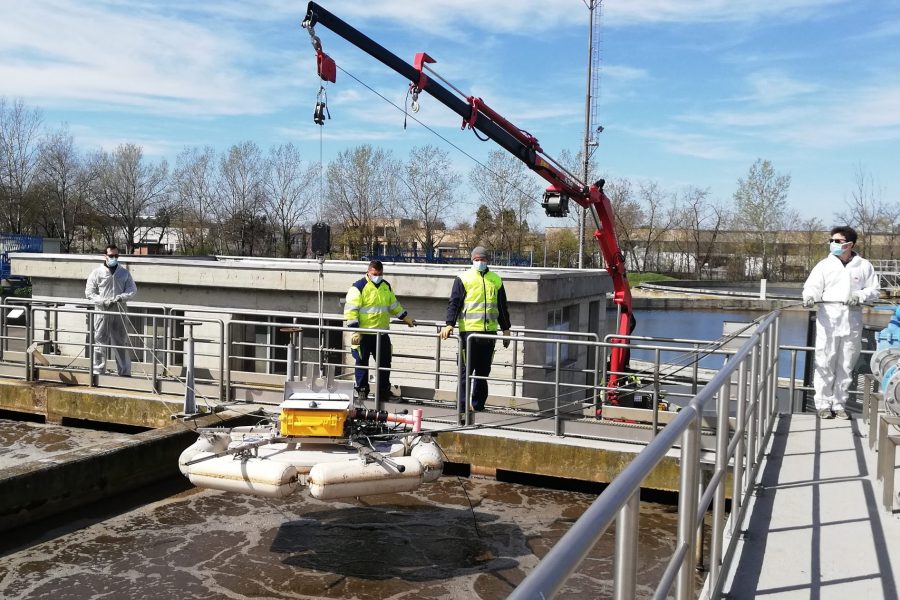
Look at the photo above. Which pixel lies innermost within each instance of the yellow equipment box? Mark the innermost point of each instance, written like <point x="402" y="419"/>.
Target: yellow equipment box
<point x="315" y="415"/>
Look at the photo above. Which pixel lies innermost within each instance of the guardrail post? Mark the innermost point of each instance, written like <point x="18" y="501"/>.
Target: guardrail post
<point x="437" y="362"/>
<point x="791" y="392"/>
<point x="716" y="544"/>
<point x="29" y="359"/>
<point x="655" y="417"/>
<point x="595" y="391"/>
<point x="737" y="491"/>
<point x="291" y="359"/>
<point x="154" y="383"/>
<point x="754" y="400"/>
<point x="687" y="507"/>
<point x="515" y="365"/>
<point x="3" y="329"/>
<point x="557" y="421"/>
<point x="190" y="400"/>
<point x="92" y="376"/>
<point x="627" y="527"/>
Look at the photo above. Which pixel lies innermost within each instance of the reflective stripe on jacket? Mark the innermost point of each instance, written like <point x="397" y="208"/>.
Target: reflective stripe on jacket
<point x="371" y="306"/>
<point x="480" y="308"/>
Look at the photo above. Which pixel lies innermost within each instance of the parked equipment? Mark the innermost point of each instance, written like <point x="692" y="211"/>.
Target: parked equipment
<point x="885" y="362"/>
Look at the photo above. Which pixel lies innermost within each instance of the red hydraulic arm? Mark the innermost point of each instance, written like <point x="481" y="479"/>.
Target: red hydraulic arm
<point x="478" y="116"/>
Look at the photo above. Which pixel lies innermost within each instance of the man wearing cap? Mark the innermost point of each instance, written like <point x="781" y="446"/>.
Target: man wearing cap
<point x="370" y="304"/>
<point x="478" y="304"/>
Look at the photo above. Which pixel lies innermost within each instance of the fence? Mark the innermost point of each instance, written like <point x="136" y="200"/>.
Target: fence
<point x="752" y="373"/>
<point x="11" y="242"/>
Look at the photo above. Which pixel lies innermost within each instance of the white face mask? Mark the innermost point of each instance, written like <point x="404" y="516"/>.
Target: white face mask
<point x="376" y="279"/>
<point x="479" y="265"/>
<point x="836" y="248"/>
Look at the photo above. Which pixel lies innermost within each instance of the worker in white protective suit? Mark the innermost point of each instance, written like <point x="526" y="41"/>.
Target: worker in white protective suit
<point x="109" y="287"/>
<point x="840" y="282"/>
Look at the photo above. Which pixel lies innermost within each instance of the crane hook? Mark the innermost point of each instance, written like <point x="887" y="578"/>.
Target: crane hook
<point x="320" y="112"/>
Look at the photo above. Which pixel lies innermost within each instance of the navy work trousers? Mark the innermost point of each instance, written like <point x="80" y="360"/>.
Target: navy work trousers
<point x="477" y="362"/>
<point x="366" y="350"/>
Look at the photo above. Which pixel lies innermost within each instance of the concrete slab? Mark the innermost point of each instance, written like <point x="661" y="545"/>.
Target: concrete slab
<point x="816" y="528"/>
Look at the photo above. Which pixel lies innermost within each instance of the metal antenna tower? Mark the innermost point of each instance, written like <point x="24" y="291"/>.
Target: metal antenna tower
<point x="592" y="128"/>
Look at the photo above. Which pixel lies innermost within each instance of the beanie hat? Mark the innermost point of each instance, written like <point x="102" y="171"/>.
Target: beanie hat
<point x="479" y="251"/>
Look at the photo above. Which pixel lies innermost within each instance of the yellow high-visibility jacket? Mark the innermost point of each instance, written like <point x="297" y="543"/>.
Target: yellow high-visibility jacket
<point x="371" y="306"/>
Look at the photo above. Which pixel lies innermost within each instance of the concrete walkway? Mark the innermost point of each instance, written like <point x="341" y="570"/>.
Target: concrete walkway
<point x="816" y="528"/>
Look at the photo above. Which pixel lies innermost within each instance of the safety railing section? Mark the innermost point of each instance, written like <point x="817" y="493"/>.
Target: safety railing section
<point x="233" y="359"/>
<point x="746" y="385"/>
<point x="161" y="346"/>
<point x="194" y="346"/>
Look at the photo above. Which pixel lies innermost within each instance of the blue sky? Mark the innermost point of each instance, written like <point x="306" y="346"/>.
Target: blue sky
<point x="691" y="91"/>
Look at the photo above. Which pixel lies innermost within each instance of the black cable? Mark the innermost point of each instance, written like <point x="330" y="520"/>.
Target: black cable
<point x="403" y="110"/>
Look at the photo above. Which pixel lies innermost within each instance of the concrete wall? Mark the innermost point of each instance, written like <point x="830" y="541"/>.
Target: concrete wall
<point x="242" y="285"/>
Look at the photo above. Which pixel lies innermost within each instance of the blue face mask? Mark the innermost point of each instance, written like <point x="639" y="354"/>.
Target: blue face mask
<point x="112" y="261"/>
<point x="836" y="248"/>
<point x="479" y="265"/>
<point x="376" y="279"/>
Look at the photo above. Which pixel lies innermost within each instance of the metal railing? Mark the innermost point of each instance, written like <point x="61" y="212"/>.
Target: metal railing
<point x="755" y="366"/>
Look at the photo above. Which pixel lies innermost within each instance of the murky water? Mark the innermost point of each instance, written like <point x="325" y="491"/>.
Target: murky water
<point x="22" y="442"/>
<point x="455" y="538"/>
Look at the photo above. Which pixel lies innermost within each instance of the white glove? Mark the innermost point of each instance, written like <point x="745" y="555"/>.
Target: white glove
<point x="809" y="301"/>
<point x="855" y="298"/>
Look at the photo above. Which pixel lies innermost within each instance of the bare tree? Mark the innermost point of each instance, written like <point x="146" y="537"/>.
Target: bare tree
<point x="65" y="178"/>
<point x="811" y="241"/>
<point x="658" y="218"/>
<point x="578" y="216"/>
<point x="865" y="210"/>
<point x="359" y="184"/>
<point x="19" y="151"/>
<point x="760" y="203"/>
<point x="628" y="216"/>
<point x="505" y="185"/>
<point x="290" y="189"/>
<point x="430" y="193"/>
<point x="129" y="191"/>
<point x="700" y="221"/>
<point x="194" y="184"/>
<point x="891" y="228"/>
<point x="241" y="195"/>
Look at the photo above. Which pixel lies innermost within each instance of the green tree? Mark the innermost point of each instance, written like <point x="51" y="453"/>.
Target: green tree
<point x="760" y="205"/>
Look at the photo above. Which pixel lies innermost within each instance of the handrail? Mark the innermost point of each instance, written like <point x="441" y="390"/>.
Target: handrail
<point x="562" y="560"/>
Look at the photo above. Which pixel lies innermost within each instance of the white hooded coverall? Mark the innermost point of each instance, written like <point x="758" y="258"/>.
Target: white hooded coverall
<point x="104" y="285"/>
<point x="838" y="326"/>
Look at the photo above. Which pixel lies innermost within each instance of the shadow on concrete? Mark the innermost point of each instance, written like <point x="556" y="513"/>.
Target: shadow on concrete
<point x="748" y="571"/>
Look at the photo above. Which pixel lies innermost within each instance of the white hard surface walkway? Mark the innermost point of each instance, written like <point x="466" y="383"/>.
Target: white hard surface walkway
<point x="816" y="528"/>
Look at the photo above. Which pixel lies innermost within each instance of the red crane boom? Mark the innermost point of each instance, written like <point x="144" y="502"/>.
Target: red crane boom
<point x="479" y="116"/>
